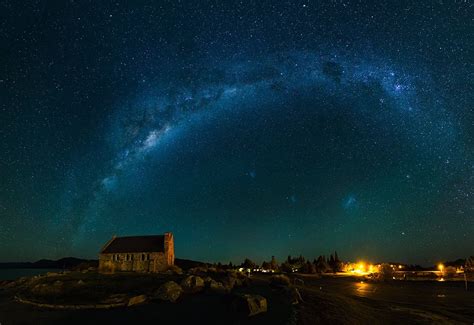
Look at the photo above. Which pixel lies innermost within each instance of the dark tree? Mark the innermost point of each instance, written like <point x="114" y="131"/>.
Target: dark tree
<point x="321" y="265"/>
<point x="273" y="264"/>
<point x="286" y="267"/>
<point x="308" y="268"/>
<point x="248" y="264"/>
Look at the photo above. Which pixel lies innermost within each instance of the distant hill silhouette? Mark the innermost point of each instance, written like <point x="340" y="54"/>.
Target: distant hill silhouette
<point x="74" y="263"/>
<point x="63" y="263"/>
<point x="187" y="264"/>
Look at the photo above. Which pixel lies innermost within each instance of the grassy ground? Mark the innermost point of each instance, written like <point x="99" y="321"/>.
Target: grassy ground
<point x="327" y="300"/>
<point x="200" y="308"/>
<point x="90" y="288"/>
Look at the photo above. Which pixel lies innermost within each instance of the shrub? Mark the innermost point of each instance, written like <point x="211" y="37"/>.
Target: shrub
<point x="449" y="271"/>
<point x="385" y="272"/>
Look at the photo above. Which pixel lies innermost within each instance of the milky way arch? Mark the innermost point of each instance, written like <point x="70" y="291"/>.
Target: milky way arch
<point x="384" y="100"/>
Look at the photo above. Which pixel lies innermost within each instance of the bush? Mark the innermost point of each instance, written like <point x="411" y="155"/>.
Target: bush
<point x="449" y="271"/>
<point x="385" y="272"/>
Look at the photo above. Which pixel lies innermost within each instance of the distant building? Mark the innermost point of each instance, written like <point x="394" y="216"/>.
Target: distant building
<point x="137" y="254"/>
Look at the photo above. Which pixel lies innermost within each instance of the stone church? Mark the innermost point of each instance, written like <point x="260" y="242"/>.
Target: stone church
<point x="137" y="254"/>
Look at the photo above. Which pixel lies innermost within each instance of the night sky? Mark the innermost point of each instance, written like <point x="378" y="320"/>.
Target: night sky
<point x="248" y="129"/>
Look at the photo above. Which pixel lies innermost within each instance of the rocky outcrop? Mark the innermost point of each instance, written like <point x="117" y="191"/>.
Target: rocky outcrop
<point x="250" y="304"/>
<point x="170" y="291"/>
<point x="192" y="284"/>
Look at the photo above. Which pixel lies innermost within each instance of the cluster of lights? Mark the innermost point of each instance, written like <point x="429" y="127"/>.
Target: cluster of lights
<point x="363" y="268"/>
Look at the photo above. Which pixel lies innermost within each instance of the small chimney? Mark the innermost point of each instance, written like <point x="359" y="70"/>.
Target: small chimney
<point x="169" y="247"/>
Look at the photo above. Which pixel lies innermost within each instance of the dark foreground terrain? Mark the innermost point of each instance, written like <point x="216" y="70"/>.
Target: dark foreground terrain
<point x="348" y="301"/>
<point x="327" y="300"/>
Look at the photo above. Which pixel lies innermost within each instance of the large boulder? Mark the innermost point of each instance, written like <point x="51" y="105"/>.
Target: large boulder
<point x="250" y="304"/>
<point x="192" y="284"/>
<point x="170" y="291"/>
<point x="137" y="300"/>
<point x="207" y="281"/>
<point x="231" y="282"/>
<point x="174" y="269"/>
<point x="218" y="287"/>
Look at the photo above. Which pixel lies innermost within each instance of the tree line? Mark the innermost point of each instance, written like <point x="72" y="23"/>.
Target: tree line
<point x="322" y="264"/>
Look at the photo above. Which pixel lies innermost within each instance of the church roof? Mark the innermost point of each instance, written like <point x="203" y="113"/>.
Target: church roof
<point x="135" y="244"/>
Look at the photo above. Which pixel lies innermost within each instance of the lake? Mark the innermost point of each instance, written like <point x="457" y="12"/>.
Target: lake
<point x="12" y="274"/>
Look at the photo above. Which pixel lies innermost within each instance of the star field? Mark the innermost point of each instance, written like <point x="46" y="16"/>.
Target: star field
<point x="247" y="129"/>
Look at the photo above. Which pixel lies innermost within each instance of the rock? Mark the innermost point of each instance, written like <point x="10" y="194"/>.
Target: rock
<point x="218" y="287"/>
<point x="231" y="282"/>
<point x="174" y="269"/>
<point x="115" y="298"/>
<point x="207" y="281"/>
<point x="250" y="304"/>
<point x="192" y="284"/>
<point x="170" y="291"/>
<point x="199" y="270"/>
<point x="137" y="300"/>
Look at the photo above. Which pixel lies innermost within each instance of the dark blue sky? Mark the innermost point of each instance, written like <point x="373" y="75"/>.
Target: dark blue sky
<point x="248" y="129"/>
